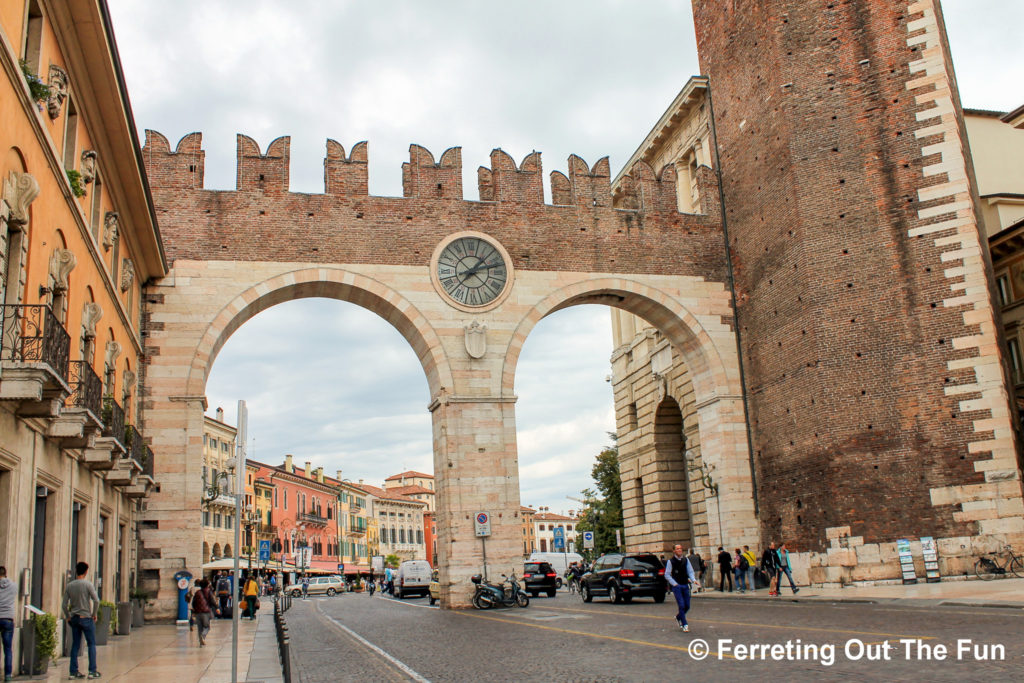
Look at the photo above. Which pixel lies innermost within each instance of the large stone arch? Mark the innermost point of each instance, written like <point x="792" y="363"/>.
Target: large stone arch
<point x="707" y="346"/>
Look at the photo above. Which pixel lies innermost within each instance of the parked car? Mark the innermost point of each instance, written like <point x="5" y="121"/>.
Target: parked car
<point x="624" y="576"/>
<point x="560" y="561"/>
<point x="435" y="588"/>
<point x="320" y="585"/>
<point x="540" y="577"/>
<point x="413" y="578"/>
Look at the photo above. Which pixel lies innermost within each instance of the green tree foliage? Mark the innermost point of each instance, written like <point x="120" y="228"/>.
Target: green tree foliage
<point x="392" y="561"/>
<point x="602" y="513"/>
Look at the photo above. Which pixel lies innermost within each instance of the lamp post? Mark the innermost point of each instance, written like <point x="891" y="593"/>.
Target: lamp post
<point x="249" y="519"/>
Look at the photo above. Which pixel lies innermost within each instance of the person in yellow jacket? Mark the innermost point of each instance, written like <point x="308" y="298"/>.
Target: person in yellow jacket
<point x="751" y="564"/>
<point x="251" y="591"/>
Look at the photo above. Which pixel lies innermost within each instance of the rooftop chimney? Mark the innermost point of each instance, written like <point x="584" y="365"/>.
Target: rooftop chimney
<point x="339" y="475"/>
<point x="220" y="414"/>
<point x="309" y="470"/>
<point x="360" y="482"/>
<point x="320" y="474"/>
<point x="289" y="467"/>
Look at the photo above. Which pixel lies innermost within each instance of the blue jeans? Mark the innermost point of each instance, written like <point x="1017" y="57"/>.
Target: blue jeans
<point x="741" y="578"/>
<point x="80" y="626"/>
<point x="7" y="635"/>
<point x="682" y="594"/>
<point x="789" y="575"/>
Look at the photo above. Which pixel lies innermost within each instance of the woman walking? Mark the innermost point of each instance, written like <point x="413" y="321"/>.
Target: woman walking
<point x="739" y="569"/>
<point x="202" y="609"/>
<point x="251" y="591"/>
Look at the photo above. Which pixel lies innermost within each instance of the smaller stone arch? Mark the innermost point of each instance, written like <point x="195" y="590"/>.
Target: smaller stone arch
<point x="227" y="550"/>
<point x="206" y="552"/>
<point x="216" y="551"/>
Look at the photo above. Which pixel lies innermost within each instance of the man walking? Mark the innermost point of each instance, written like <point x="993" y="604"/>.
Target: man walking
<point x="202" y="609"/>
<point x="785" y="567"/>
<point x="697" y="564"/>
<point x="770" y="566"/>
<point x="305" y="586"/>
<point x="725" y="567"/>
<point x="751" y="567"/>
<point x="8" y="593"/>
<point x="224" y="596"/>
<point x="679" y="573"/>
<point x="80" y="605"/>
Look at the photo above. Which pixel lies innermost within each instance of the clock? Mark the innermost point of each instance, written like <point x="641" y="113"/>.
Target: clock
<point x="471" y="270"/>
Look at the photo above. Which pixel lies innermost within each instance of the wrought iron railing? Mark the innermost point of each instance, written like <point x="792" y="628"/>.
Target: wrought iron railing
<point x="113" y="419"/>
<point x="135" y="447"/>
<point x="86" y="387"/>
<point x="147" y="465"/>
<point x="33" y="334"/>
<point x="312" y="518"/>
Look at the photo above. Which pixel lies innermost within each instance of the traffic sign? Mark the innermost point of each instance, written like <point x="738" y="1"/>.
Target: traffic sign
<point x="558" y="538"/>
<point x="482" y="523"/>
<point x="588" y="540"/>
<point x="264" y="551"/>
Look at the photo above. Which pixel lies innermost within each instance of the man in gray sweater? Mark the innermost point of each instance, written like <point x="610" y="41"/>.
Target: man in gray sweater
<point x="80" y="606"/>
<point x="8" y="593"/>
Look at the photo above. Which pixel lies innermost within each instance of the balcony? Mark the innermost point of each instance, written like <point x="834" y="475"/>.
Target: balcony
<point x="106" y="451"/>
<point x="34" y="353"/>
<point x="311" y="518"/>
<point x="80" y="419"/>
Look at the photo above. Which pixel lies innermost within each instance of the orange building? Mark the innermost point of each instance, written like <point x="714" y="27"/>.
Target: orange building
<point x="78" y="237"/>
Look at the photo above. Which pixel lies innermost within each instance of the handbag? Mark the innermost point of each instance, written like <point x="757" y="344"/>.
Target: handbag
<point x="257" y="604"/>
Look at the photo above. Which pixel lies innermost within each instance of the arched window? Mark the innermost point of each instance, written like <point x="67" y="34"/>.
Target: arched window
<point x="419" y="536"/>
<point x="393" y="536"/>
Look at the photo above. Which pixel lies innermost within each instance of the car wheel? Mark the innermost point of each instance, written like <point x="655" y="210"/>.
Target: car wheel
<point x="613" y="594"/>
<point x="558" y="583"/>
<point x="331" y="592"/>
<point x="659" y="597"/>
<point x="551" y="593"/>
<point x="296" y="594"/>
<point x="585" y="593"/>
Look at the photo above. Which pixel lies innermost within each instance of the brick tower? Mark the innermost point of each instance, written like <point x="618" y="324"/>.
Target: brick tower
<point x="878" y="407"/>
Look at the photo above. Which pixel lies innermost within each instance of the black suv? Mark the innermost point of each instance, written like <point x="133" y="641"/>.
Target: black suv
<point x="623" y="577"/>
<point x="538" y="577"/>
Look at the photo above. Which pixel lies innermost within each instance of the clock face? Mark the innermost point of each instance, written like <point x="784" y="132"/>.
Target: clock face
<point x="472" y="271"/>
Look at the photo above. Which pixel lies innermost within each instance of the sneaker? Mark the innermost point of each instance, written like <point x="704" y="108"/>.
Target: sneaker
<point x="686" y="628"/>
<point x="95" y="674"/>
<point x="76" y="675"/>
<point x="795" y="591"/>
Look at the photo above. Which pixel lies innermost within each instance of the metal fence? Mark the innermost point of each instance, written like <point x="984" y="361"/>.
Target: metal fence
<point x="282" y="603"/>
<point x="33" y="334"/>
<point x="86" y="387"/>
<point x="113" y="420"/>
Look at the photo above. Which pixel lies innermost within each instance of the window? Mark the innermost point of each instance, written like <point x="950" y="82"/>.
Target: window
<point x="286" y="499"/>
<point x="224" y="446"/>
<point x="394" y="536"/>
<point x="206" y="518"/>
<point x="1015" y="360"/>
<point x="568" y="527"/>
<point x="631" y="416"/>
<point x="275" y="497"/>
<point x="97" y="211"/>
<point x="401" y="535"/>
<point x="541" y="527"/>
<point x="229" y="521"/>
<point x="71" y="136"/>
<point x="100" y="558"/>
<point x="216" y="520"/>
<point x="33" y="37"/>
<point x="206" y="440"/>
<point x="638" y="485"/>
<point x="1003" y="285"/>
<point x="213" y="443"/>
<point x="419" y="536"/>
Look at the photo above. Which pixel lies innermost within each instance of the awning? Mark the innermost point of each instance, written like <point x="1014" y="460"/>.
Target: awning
<point x="243" y="563"/>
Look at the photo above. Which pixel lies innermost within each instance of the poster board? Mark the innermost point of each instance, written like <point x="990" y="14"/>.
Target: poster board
<point x="906" y="561"/>
<point x="931" y="559"/>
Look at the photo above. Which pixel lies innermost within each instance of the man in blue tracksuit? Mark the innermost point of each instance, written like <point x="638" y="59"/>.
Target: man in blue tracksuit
<point x="679" y="575"/>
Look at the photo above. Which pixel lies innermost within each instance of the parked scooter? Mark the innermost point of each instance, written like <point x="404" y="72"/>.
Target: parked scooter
<point x="505" y="594"/>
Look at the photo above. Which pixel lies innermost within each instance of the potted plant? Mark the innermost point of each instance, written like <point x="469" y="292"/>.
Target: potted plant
<point x="122" y="625"/>
<point x="40" y="91"/>
<point x="139" y="599"/>
<point x="103" y="623"/>
<point x="39" y="644"/>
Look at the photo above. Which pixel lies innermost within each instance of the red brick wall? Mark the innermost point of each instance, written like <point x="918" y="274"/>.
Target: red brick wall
<point x="845" y="339"/>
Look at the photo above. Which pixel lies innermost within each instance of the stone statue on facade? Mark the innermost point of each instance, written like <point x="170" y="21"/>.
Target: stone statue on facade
<point x="58" y="90"/>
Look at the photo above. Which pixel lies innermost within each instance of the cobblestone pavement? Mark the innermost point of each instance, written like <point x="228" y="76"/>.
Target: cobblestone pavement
<point x="356" y="637"/>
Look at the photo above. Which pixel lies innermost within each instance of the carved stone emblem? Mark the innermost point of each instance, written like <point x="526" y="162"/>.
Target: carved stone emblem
<point x="113" y="351"/>
<point x="662" y="383"/>
<point x="110" y="227"/>
<point x="91" y="314"/>
<point x="62" y="262"/>
<point x="88" y="170"/>
<point x="476" y="339"/>
<point x="129" y="382"/>
<point x="127" y="274"/>
<point x="58" y="90"/>
<point x="19" y="191"/>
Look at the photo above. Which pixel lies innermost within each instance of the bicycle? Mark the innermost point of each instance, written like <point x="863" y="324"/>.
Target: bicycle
<point x="988" y="568"/>
<point x="574" y="584"/>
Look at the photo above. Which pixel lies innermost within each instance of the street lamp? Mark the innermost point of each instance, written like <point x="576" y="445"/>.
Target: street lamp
<point x="249" y="519"/>
<point x="220" y="486"/>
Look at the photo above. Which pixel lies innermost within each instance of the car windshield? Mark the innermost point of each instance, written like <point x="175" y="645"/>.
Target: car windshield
<point x="643" y="563"/>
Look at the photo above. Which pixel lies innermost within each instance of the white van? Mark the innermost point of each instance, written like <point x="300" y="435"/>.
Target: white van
<point x="558" y="561"/>
<point x="413" y="578"/>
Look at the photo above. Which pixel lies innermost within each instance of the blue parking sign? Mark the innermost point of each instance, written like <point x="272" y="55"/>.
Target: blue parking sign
<point x="264" y="551"/>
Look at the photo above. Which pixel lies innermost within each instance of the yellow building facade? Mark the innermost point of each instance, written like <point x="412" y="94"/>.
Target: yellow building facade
<point x="78" y="236"/>
<point x="219" y="486"/>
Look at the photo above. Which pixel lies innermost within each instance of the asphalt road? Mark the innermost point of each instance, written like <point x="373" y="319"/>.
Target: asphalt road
<point x="354" y="637"/>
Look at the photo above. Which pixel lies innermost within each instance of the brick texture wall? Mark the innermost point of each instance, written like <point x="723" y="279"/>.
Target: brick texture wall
<point x="848" y="331"/>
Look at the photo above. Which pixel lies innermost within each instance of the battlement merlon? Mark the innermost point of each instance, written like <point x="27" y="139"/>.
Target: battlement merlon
<point x="640" y="189"/>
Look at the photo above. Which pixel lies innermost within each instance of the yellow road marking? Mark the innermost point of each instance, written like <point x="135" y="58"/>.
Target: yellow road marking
<point x="518" y="622"/>
<point x="743" y="623"/>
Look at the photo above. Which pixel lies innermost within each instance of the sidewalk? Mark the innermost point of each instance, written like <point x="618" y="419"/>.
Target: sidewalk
<point x="169" y="654"/>
<point x="1007" y="593"/>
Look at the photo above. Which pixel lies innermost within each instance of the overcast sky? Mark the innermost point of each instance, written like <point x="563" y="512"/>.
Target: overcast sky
<point x="330" y="382"/>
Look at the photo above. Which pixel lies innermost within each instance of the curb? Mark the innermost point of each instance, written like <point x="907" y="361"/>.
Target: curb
<point x="938" y="602"/>
<point x="988" y="605"/>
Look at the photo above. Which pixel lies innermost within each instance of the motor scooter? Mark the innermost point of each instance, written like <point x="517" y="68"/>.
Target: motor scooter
<point x="505" y="594"/>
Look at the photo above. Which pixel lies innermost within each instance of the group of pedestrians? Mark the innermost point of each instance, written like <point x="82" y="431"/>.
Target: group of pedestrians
<point x="743" y="565"/>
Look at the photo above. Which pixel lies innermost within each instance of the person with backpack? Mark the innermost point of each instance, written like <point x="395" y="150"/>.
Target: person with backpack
<point x="202" y="609"/>
<point x="770" y="566"/>
<point x="751" y="568"/>
<point x="739" y="569"/>
<point x="224" y="595"/>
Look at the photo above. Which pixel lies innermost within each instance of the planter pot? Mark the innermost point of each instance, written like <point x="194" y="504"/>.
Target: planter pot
<point x="124" y="618"/>
<point x="138" y="613"/>
<point x="103" y="625"/>
<point x="31" y="663"/>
